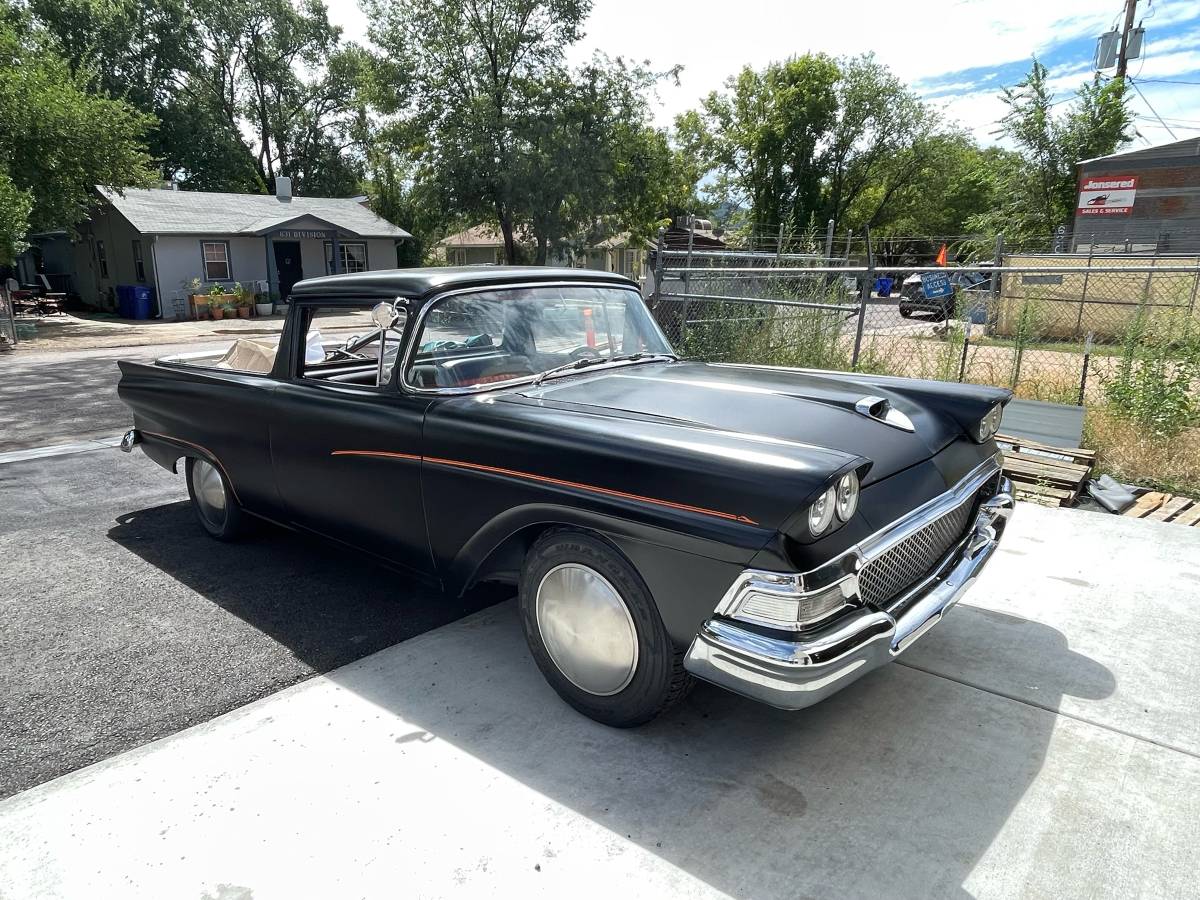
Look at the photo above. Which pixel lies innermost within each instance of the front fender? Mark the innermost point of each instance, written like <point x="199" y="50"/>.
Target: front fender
<point x="686" y="575"/>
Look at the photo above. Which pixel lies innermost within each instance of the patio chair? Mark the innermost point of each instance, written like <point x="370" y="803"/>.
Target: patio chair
<point x="50" y="301"/>
<point x="22" y="300"/>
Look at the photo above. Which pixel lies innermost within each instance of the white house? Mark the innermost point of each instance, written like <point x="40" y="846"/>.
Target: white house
<point x="479" y="245"/>
<point x="165" y="238"/>
<point x="483" y="245"/>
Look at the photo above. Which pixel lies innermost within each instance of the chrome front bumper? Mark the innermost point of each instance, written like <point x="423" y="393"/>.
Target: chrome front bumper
<point x="795" y="672"/>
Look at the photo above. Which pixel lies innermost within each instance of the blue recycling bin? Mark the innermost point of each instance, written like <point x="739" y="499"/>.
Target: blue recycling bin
<point x="883" y="286"/>
<point x="125" y="301"/>
<point x="135" y="301"/>
<point x="142" y="305"/>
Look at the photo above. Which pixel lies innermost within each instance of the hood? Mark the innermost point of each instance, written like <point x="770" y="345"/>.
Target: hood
<point x="808" y="409"/>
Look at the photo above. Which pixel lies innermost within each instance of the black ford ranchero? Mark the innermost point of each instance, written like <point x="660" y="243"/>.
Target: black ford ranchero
<point x="779" y="532"/>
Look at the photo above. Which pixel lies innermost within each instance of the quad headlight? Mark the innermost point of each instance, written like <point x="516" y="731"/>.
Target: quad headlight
<point x="820" y="514"/>
<point x="847" y="496"/>
<point x="989" y="424"/>
<point x="838" y="504"/>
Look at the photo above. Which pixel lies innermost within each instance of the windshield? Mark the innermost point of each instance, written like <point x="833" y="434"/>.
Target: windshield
<point x="509" y="334"/>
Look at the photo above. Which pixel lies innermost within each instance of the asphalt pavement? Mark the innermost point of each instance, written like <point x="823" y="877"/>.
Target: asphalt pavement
<point x="1043" y="740"/>
<point x="56" y="397"/>
<point x="124" y="622"/>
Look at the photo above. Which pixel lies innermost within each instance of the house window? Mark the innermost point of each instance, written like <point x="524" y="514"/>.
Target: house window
<point x="139" y="266"/>
<point x="216" y="260"/>
<point x="354" y="257"/>
<point x="101" y="259"/>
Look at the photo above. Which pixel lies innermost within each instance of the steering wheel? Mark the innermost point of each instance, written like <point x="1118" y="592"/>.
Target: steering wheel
<point x="584" y="353"/>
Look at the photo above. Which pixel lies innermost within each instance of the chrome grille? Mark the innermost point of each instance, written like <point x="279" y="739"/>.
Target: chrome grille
<point x="908" y="562"/>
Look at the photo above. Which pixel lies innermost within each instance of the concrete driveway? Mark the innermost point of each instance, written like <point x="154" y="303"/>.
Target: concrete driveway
<point x="1042" y="741"/>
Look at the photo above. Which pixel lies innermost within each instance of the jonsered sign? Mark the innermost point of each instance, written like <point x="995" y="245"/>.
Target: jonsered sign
<point x="1107" y="195"/>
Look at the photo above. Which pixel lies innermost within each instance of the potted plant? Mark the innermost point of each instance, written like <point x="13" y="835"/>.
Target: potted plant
<point x="262" y="305"/>
<point x="200" y="304"/>
<point x="216" y="301"/>
<point x="241" y="301"/>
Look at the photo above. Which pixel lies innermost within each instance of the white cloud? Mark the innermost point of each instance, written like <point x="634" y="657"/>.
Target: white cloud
<point x="713" y="39"/>
<point x="1165" y="65"/>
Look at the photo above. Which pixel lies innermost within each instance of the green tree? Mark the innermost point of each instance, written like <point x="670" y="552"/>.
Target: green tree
<point x="881" y="141"/>
<point x="1037" y="193"/>
<point x="814" y="139"/>
<point x="57" y="141"/>
<point x="200" y="149"/>
<point x="148" y="53"/>
<point x="943" y="180"/>
<point x="764" y="136"/>
<point x="214" y="72"/>
<point x="463" y="76"/>
<point x="275" y="67"/>
<point x="583" y="149"/>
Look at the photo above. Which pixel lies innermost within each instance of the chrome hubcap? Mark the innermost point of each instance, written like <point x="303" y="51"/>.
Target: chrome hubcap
<point x="210" y="491"/>
<point x="587" y="629"/>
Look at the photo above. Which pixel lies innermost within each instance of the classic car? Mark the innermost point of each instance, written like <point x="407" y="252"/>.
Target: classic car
<point x="780" y="532"/>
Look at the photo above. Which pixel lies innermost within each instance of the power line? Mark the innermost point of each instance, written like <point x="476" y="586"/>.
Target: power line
<point x="1153" y="110"/>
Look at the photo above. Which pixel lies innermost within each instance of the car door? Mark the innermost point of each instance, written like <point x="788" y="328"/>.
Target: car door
<point x="347" y="454"/>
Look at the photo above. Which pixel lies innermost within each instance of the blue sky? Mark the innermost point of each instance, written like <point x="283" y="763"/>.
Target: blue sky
<point x="1165" y="102"/>
<point x="956" y="53"/>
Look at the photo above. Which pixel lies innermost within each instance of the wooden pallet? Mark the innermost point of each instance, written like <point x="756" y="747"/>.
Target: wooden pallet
<point x="1163" y="507"/>
<point x="1041" y="473"/>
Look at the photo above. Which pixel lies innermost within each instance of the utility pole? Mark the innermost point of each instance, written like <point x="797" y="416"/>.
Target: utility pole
<point x="1122" y="61"/>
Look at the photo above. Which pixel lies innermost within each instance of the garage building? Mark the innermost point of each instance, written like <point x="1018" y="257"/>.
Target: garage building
<point x="1140" y="201"/>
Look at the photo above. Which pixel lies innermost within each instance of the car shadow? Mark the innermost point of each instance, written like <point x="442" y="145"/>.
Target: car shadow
<point x="896" y="786"/>
<point x="327" y="604"/>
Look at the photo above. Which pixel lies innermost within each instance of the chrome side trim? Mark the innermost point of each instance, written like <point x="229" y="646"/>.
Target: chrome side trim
<point x="793" y="674"/>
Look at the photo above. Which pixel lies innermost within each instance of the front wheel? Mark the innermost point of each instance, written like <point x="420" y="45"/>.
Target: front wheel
<point x="214" y="502"/>
<point x="595" y="633"/>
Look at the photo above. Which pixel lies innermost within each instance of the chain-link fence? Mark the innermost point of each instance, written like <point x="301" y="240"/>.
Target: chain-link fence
<point x="1068" y="328"/>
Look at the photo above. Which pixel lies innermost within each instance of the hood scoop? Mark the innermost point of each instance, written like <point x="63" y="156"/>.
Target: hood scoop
<point x="881" y="409"/>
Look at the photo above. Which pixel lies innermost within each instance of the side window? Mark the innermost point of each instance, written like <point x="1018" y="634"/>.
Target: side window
<point x="216" y="260"/>
<point x="343" y="345"/>
<point x="101" y="259"/>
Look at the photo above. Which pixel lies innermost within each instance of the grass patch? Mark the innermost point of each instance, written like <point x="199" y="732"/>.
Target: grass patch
<point x="1131" y="453"/>
<point x="1053" y="346"/>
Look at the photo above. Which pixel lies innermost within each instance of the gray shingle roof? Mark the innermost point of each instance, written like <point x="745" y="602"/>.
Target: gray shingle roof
<point x="197" y="212"/>
<point x="1186" y="147"/>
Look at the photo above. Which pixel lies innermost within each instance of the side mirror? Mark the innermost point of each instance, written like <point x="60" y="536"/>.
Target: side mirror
<point x="384" y="315"/>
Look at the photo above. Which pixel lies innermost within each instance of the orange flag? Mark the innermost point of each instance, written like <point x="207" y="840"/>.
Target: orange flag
<point x="941" y="257"/>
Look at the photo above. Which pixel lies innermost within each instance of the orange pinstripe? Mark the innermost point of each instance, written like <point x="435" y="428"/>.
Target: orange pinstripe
<point x="546" y="479"/>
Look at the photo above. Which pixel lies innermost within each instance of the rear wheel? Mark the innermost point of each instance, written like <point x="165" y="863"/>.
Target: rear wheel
<point x="595" y="633"/>
<point x="213" y="500"/>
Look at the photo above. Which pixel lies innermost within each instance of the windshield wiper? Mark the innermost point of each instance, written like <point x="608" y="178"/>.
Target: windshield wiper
<point x="597" y="360"/>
